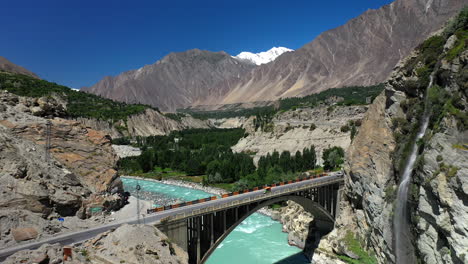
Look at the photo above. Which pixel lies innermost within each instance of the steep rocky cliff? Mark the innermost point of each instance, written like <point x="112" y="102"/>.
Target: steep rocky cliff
<point x="34" y="192"/>
<point x="148" y="123"/>
<point x="296" y="129"/>
<point x="440" y="184"/>
<point x="378" y="154"/>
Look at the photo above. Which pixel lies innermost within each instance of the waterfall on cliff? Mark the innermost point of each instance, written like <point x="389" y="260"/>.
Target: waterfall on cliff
<point x="404" y="250"/>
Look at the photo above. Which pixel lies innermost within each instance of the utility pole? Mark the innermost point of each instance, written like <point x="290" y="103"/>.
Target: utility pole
<point x="138" y="188"/>
<point x="47" y="143"/>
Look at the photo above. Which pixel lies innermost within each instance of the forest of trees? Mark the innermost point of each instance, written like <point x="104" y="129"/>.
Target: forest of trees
<point x="276" y="167"/>
<point x="193" y="151"/>
<point x="208" y="152"/>
<point x="79" y="104"/>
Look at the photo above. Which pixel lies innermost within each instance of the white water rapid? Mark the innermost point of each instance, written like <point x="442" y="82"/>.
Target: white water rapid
<point x="404" y="250"/>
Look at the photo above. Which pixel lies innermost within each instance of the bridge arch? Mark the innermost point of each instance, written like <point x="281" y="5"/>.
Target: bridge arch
<point x="323" y="220"/>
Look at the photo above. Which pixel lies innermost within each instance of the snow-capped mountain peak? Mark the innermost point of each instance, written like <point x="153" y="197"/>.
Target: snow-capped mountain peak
<point x="262" y="57"/>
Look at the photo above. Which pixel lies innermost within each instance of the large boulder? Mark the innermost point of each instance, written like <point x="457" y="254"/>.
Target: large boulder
<point x="134" y="244"/>
<point x="23" y="234"/>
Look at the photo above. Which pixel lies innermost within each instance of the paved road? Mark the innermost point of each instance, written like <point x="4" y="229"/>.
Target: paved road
<point x="80" y="236"/>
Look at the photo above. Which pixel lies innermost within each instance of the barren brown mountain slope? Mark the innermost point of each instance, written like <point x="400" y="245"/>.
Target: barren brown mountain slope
<point x="362" y="52"/>
<point x="176" y="81"/>
<point x="8" y="66"/>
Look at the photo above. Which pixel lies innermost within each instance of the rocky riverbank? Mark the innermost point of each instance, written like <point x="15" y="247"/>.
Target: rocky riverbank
<point x="295" y="222"/>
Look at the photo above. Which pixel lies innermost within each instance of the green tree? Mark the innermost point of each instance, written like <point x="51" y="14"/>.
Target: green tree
<point x="332" y="158"/>
<point x="146" y="160"/>
<point x="309" y="158"/>
<point x="285" y="161"/>
<point x="193" y="166"/>
<point x="274" y="174"/>
<point x="212" y="171"/>
<point x="298" y="161"/>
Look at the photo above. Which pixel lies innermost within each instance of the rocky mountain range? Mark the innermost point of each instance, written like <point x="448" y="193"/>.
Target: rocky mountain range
<point x="362" y="52"/>
<point x="8" y="66"/>
<point x="176" y="81"/>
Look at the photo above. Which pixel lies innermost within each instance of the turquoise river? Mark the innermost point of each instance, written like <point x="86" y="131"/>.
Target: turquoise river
<point x="257" y="240"/>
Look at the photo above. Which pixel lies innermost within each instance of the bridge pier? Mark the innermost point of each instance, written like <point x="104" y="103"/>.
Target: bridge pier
<point x="177" y="232"/>
<point x="339" y="195"/>
<point x="198" y="238"/>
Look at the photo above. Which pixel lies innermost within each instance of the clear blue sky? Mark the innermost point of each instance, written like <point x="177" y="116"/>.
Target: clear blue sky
<point x="76" y="44"/>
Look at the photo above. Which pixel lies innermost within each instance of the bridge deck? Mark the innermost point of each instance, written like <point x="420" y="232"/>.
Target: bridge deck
<point x="245" y="198"/>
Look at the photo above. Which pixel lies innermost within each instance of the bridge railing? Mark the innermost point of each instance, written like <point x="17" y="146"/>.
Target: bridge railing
<point x="173" y="206"/>
<point x="260" y="197"/>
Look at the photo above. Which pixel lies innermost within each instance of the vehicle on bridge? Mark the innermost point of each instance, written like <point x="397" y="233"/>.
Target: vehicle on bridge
<point x="267" y="189"/>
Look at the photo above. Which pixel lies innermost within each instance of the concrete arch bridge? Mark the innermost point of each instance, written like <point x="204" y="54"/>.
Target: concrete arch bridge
<point x="200" y="226"/>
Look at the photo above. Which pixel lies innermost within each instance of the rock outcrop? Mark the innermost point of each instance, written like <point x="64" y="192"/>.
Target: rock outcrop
<point x="295" y="222"/>
<point x="440" y="186"/>
<point x="369" y="170"/>
<point x="123" y="151"/>
<point x="133" y="244"/>
<point x="148" y="123"/>
<point x="297" y="129"/>
<point x="85" y="152"/>
<point x="155" y="123"/>
<point x="78" y="176"/>
<point x="442" y="189"/>
<point x="233" y="122"/>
